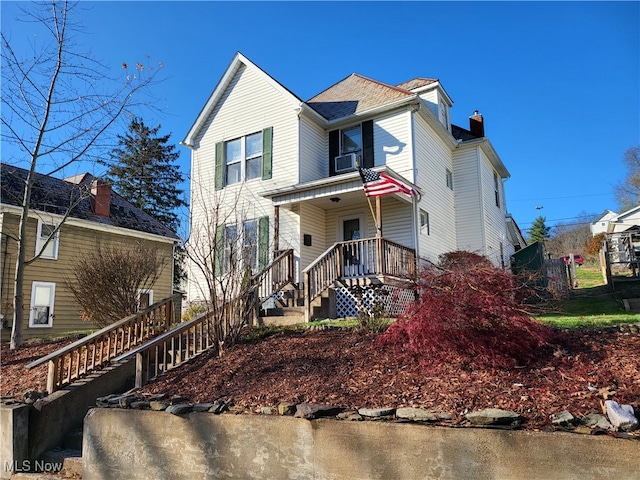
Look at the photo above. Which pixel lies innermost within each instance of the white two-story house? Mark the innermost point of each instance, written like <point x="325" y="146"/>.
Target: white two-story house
<point x="282" y="174"/>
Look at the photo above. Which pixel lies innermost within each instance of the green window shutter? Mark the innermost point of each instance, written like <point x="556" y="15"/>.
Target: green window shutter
<point x="334" y="150"/>
<point x="267" y="149"/>
<point x="263" y="242"/>
<point x="367" y="144"/>
<point x="219" y="172"/>
<point x="219" y="250"/>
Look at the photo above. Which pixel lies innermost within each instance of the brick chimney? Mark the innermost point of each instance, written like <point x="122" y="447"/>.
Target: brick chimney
<point x="476" y="124"/>
<point x="102" y="198"/>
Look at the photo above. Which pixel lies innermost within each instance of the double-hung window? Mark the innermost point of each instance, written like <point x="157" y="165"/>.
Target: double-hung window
<point x="496" y="187"/>
<point x="243" y="245"/>
<point x="47" y="232"/>
<point x="449" y="177"/>
<point x="42" y="297"/>
<point x="243" y="157"/>
<point x="230" y="247"/>
<point x="351" y="140"/>
<point x="250" y="244"/>
<point x="348" y="145"/>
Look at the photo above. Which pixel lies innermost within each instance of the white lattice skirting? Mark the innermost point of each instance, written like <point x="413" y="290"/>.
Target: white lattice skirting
<point x="394" y="299"/>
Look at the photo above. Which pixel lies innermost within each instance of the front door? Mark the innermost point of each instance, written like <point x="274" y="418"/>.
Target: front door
<point x="351" y="251"/>
<point x="351" y="229"/>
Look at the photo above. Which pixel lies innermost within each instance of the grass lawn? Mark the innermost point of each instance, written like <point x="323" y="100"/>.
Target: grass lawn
<point x="593" y="304"/>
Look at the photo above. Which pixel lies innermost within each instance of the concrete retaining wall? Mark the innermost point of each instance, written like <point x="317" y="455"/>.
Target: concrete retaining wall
<point x="55" y="415"/>
<point x="14" y="427"/>
<point x="134" y="444"/>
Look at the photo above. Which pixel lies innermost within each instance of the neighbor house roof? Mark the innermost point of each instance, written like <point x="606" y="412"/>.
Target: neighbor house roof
<point x="354" y="95"/>
<point x="53" y="195"/>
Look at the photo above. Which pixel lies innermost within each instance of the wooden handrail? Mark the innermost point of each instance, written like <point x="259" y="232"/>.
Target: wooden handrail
<point x="357" y="259"/>
<point x="274" y="276"/>
<point x="178" y="345"/>
<point x="96" y="350"/>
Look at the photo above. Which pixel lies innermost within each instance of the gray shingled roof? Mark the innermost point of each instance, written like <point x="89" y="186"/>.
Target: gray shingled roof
<point x="54" y="195"/>
<point x="353" y="95"/>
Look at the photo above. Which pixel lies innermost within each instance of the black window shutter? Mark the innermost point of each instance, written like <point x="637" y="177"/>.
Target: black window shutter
<point x="367" y="144"/>
<point x="334" y="150"/>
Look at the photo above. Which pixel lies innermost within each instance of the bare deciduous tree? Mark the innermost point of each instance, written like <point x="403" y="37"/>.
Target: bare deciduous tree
<point x="106" y="282"/>
<point x="628" y="191"/>
<point x="223" y="251"/>
<point x="571" y="237"/>
<point x="58" y="105"/>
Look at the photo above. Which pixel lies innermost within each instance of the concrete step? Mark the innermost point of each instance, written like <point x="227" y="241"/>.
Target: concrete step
<point x="55" y="464"/>
<point x="67" y="460"/>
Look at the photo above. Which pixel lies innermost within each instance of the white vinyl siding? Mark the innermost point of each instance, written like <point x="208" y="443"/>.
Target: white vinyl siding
<point x="314" y="145"/>
<point x="312" y="222"/>
<point x="249" y="104"/>
<point x="495" y="229"/>
<point x="469" y="207"/>
<point x="480" y="223"/>
<point x="433" y="158"/>
<point x="390" y="142"/>
<point x="397" y="224"/>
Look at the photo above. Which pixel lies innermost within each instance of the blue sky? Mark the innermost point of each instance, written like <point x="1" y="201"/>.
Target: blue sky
<point x="558" y="83"/>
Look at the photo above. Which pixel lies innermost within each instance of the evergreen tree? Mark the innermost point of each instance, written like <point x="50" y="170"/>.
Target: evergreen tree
<point x="539" y="231"/>
<point x="143" y="171"/>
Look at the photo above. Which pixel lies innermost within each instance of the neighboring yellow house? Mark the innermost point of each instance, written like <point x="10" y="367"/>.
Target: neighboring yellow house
<point x="99" y="216"/>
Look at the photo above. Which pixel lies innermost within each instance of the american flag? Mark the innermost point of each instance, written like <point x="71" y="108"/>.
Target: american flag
<point x="379" y="184"/>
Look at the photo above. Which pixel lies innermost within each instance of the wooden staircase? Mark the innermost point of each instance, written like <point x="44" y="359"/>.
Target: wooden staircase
<point x="288" y="307"/>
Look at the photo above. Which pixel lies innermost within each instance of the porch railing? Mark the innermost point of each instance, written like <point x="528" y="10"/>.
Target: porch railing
<point x="98" y="349"/>
<point x="357" y="259"/>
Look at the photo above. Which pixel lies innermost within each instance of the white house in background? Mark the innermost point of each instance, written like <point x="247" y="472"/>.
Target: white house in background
<point x="612" y="222"/>
<point x="623" y="237"/>
<point x="284" y="172"/>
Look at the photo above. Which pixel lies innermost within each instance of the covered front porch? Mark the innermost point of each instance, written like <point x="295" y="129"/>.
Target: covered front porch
<point x="335" y="240"/>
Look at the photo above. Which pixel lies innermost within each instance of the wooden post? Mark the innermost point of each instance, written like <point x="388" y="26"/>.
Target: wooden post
<point x="51" y="376"/>
<point x="139" y="370"/>
<point x="378" y="217"/>
<point x="276" y="229"/>
<point x="307" y="299"/>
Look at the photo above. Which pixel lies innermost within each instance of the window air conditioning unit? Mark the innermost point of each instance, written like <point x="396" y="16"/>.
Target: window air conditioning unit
<point x="345" y="163"/>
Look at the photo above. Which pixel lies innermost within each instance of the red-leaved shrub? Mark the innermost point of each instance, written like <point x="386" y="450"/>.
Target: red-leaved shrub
<point x="470" y="311"/>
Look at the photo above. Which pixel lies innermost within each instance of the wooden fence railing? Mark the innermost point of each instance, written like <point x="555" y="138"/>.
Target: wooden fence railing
<point x="98" y="349"/>
<point x="357" y="259"/>
<point x="179" y="345"/>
